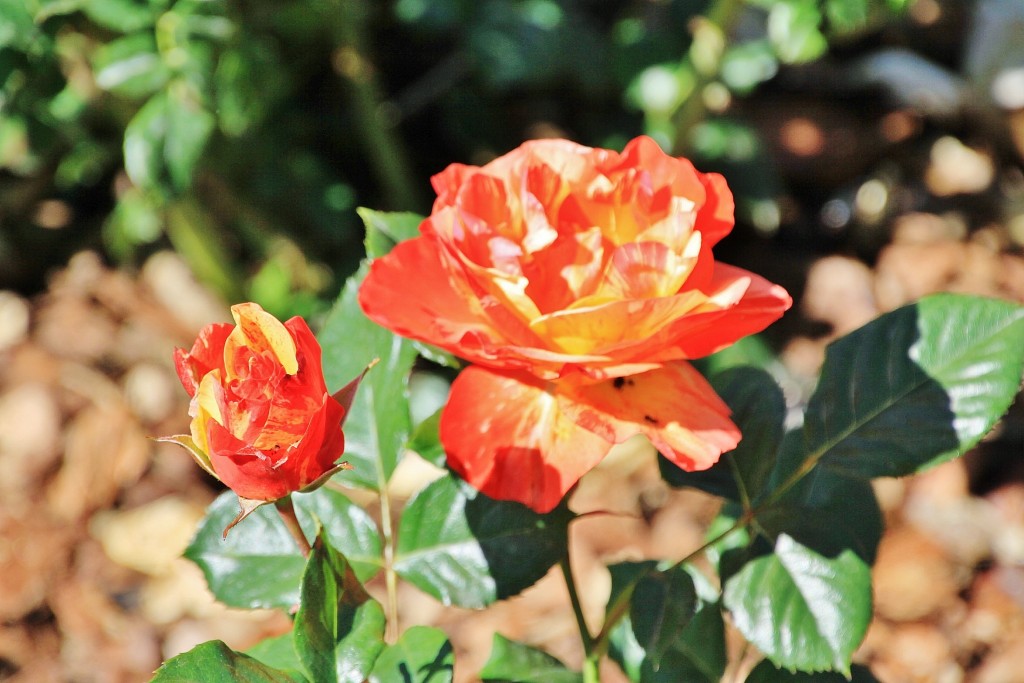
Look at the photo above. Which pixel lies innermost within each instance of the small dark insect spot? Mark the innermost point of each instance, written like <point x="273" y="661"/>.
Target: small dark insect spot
<point x="650" y="420"/>
<point x="618" y="382"/>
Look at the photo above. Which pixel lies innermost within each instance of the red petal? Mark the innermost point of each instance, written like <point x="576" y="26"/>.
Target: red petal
<point x="506" y="436"/>
<point x="243" y="469"/>
<point x="310" y="355"/>
<point x="674" y="406"/>
<point x="259" y="475"/>
<point x="207" y="354"/>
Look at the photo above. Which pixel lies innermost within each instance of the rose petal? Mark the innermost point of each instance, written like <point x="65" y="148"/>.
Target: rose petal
<point x="317" y="450"/>
<point x="442" y="312"/>
<point x="716" y="217"/>
<point x="258" y="475"/>
<point x="674" y="406"/>
<point x="259" y="332"/>
<point x="207" y="354"/>
<point x="594" y="329"/>
<point x="505" y="434"/>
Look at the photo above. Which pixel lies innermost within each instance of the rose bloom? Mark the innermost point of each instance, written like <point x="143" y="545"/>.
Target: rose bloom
<point x="262" y="419"/>
<point x="577" y="281"/>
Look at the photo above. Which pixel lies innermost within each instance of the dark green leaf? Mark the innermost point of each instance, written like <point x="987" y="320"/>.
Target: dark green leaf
<point x="915" y="387"/>
<point x="259" y="564"/>
<point x="758" y="409"/>
<point x="468" y="550"/>
<point x="421" y="655"/>
<point x="512" y="662"/>
<point x="802" y="610"/>
<point x="828" y="512"/>
<point x="663" y="604"/>
<point x="378" y="425"/>
<point x="130" y="66"/>
<point x="674" y="631"/>
<point x="386" y="229"/>
<point x="696" y="655"/>
<point x="625" y="576"/>
<point x="215" y="662"/>
<point x="337" y="635"/>
<point x="766" y="672"/>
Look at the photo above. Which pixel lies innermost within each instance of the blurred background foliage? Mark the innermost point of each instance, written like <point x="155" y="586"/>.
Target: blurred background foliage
<point x="245" y="133"/>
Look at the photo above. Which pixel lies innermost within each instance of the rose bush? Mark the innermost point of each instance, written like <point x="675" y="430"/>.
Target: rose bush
<point x="263" y="421"/>
<point x="578" y="282"/>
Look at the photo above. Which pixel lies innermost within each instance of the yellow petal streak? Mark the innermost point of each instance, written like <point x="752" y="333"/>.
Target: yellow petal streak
<point x="261" y="332"/>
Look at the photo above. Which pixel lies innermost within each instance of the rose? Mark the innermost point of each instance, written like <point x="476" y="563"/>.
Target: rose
<point x="262" y="419"/>
<point x="577" y="281"/>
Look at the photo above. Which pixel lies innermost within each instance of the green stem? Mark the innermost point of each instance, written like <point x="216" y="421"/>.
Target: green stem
<point x="600" y="641"/>
<point x="287" y="511"/>
<point x="390" y="577"/>
<point x="577" y="608"/>
<point x="381" y="145"/>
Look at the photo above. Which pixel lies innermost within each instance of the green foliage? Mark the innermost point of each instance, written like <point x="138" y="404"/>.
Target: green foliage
<point x="512" y="662"/>
<point x="337" y="635"/>
<point x="802" y="610"/>
<point x="766" y="672"/>
<point x="217" y="663"/>
<point x="932" y="378"/>
<point x="421" y="655"/>
<point x="379" y="424"/>
<point x="468" y="550"/>
<point x="259" y="564"/>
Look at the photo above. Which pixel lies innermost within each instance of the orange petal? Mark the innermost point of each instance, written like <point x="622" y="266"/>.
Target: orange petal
<point x="674" y="406"/>
<point x="594" y="329"/>
<point x="506" y="436"/>
<point x="716" y="217"/>
<point x="434" y="307"/>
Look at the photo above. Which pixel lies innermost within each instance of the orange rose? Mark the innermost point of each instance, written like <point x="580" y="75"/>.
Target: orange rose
<point x="262" y="419"/>
<point x="578" y="281"/>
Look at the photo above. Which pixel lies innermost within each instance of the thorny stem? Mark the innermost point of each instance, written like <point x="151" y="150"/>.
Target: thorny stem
<point x="287" y="511"/>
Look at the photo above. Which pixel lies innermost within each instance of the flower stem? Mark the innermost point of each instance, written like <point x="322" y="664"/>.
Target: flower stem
<point x="390" y="578"/>
<point x="287" y="511"/>
<point x="591" y="661"/>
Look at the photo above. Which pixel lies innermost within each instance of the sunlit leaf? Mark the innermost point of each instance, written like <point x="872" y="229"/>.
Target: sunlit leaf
<point x="379" y="424"/>
<point x="468" y="550"/>
<point x="215" y="662"/>
<point x="512" y="662"/>
<point x="337" y="635"/>
<point x="802" y="610"/>
<point x="916" y="387"/>
<point x="259" y="564"/>
<point x="421" y="655"/>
